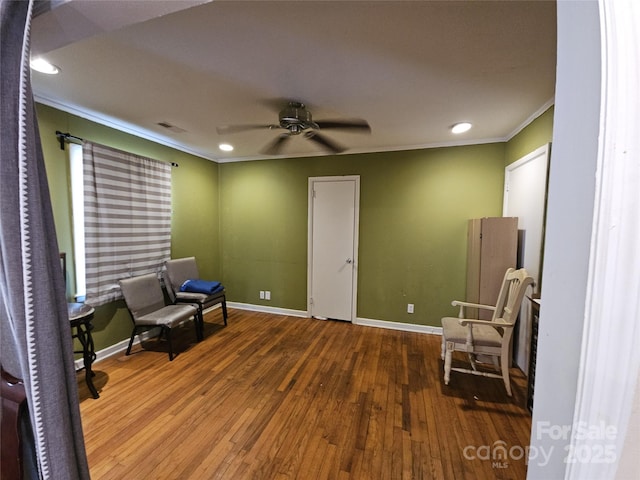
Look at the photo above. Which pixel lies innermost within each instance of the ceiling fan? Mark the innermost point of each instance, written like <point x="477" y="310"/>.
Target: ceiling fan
<point x="296" y="120"/>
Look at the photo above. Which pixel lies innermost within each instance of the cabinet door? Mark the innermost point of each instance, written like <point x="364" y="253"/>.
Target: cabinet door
<point x="498" y="252"/>
<point x="474" y="234"/>
<point x="491" y="250"/>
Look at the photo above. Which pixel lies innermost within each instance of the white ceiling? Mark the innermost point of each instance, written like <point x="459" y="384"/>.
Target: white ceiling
<point x="410" y="68"/>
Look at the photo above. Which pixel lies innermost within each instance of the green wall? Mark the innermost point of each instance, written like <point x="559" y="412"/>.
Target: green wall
<point x="538" y="133"/>
<point x="414" y="207"/>
<point x="195" y="221"/>
<point x="246" y="222"/>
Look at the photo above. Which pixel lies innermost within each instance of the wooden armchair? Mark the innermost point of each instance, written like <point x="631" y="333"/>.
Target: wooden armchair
<point x="482" y="339"/>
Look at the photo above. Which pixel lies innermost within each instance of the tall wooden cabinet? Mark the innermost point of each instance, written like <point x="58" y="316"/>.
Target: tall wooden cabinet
<point x="492" y="247"/>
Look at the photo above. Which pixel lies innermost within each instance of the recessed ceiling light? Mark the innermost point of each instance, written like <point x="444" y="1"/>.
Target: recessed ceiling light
<point x="42" y="66"/>
<point x="460" y="127"/>
<point x="225" y="147"/>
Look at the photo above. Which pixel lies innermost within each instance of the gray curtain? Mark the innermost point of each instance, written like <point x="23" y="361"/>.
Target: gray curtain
<point x="35" y="336"/>
<point x="127" y="218"/>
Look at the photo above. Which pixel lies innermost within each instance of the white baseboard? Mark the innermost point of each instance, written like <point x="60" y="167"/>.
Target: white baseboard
<point x="405" y="327"/>
<point x="266" y="309"/>
<point x="119" y="347"/>
<point x="365" y="322"/>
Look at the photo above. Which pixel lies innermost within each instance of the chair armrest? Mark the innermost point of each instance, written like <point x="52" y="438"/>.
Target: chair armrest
<point x="498" y="323"/>
<point x="462" y="305"/>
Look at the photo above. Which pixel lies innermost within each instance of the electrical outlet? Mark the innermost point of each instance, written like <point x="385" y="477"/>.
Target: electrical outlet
<point x="409" y="307"/>
<point x="267" y="295"/>
<point x="261" y="294"/>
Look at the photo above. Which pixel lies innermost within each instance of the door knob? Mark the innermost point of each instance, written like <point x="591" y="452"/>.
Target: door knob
<point x="349" y="260"/>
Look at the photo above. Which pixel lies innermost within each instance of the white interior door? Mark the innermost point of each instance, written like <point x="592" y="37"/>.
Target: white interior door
<point x="525" y="197"/>
<point x="333" y="235"/>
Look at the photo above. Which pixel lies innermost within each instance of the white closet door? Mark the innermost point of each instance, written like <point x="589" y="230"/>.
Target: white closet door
<point x="333" y="247"/>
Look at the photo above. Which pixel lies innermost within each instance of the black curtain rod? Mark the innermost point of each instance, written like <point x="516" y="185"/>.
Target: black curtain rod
<point x="67" y="137"/>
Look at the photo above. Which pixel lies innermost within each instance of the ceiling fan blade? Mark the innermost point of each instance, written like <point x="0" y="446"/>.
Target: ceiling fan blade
<point x="274" y="147"/>
<point x="355" y="124"/>
<point x="324" y="142"/>
<point x="222" y="130"/>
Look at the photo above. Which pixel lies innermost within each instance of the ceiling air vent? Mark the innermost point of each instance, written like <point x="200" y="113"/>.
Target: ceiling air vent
<point x="171" y="127"/>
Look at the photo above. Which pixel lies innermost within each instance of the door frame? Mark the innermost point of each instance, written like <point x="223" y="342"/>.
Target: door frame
<point x="356" y="230"/>
<point x="522" y="335"/>
<point x="542" y="153"/>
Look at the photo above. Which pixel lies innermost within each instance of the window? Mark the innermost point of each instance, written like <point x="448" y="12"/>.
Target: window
<point x="77" y="204"/>
<point x="122" y="218"/>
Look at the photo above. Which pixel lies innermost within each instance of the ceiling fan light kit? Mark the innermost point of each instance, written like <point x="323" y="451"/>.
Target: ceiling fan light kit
<point x="295" y="118"/>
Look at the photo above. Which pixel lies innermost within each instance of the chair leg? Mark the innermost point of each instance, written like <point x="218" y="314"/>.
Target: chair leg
<point x="224" y="309"/>
<point x="472" y="361"/>
<point x="447" y="362"/>
<point x="133" y="335"/>
<point x="167" y="333"/>
<point x="199" y="319"/>
<point x="504" y="361"/>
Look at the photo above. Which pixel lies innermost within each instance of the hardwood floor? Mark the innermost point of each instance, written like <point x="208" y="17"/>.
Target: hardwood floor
<point x="277" y="397"/>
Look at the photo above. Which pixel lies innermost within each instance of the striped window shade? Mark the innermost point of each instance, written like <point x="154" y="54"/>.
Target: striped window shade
<point x="127" y="215"/>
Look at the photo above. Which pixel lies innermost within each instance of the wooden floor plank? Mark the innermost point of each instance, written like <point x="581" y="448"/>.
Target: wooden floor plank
<point x="276" y="397"/>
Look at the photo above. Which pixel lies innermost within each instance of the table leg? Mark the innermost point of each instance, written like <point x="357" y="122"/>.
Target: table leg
<point x="88" y="355"/>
